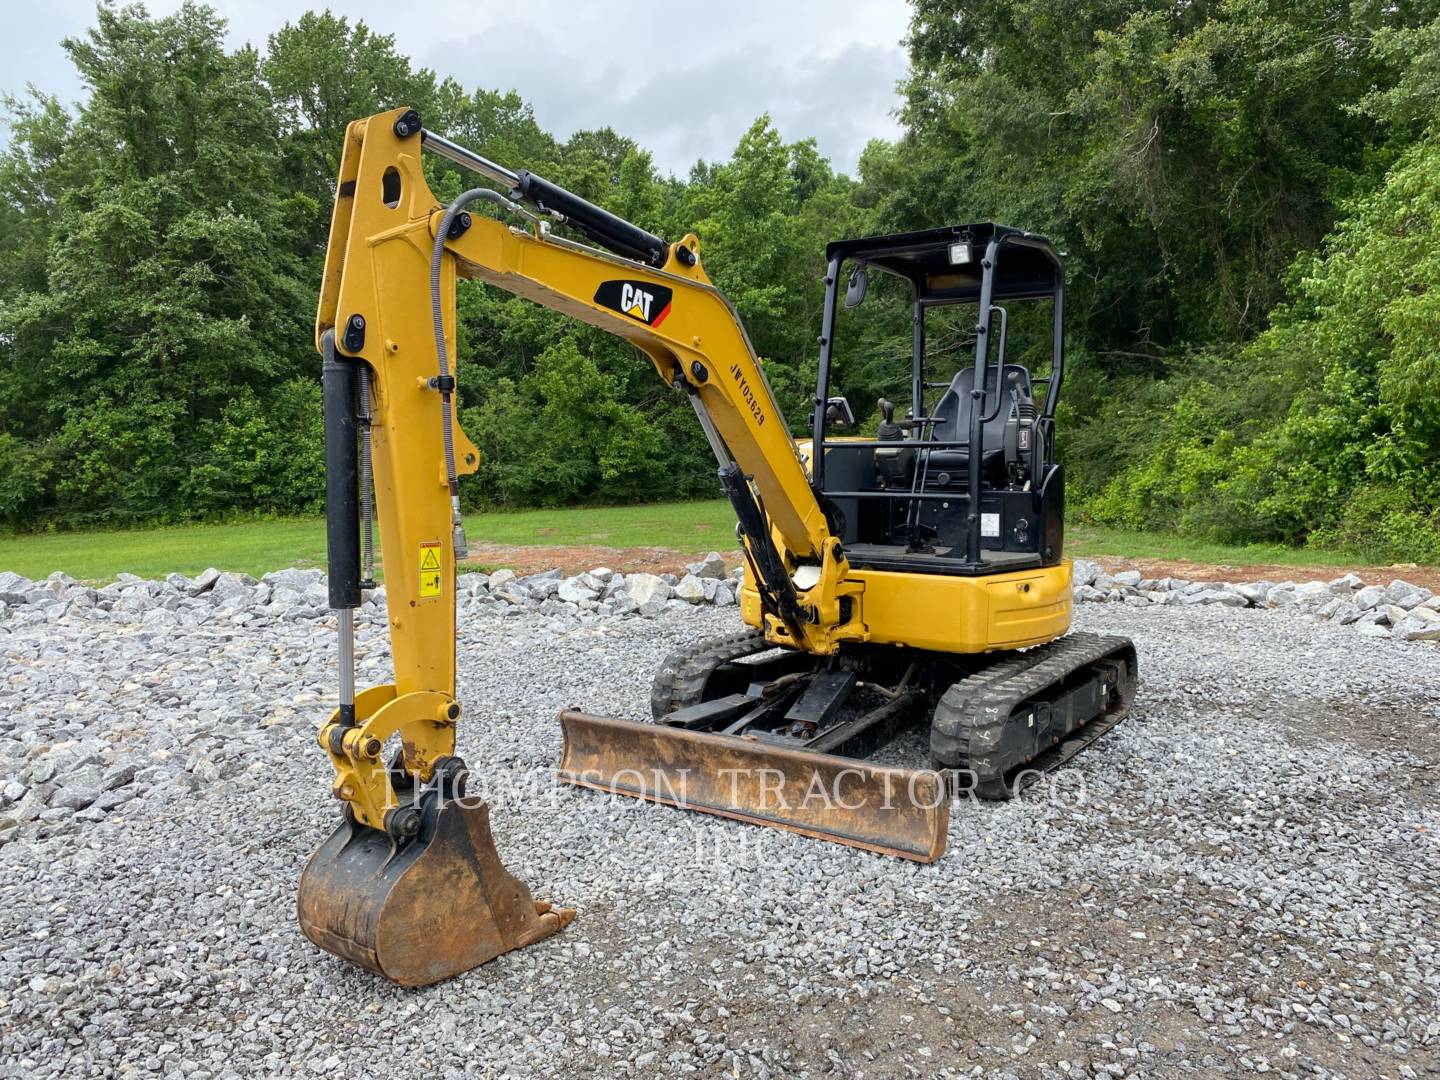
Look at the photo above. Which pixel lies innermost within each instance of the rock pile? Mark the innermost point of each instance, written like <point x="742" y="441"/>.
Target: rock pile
<point x="1401" y="610"/>
<point x="301" y="594"/>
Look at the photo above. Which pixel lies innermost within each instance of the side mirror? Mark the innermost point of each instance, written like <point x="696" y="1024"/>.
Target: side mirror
<point x="857" y="287"/>
<point x="839" y="413"/>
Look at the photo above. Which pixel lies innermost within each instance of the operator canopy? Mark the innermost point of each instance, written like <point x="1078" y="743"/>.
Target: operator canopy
<point x="944" y="264"/>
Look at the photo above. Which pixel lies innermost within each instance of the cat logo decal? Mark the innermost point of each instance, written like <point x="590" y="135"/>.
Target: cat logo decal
<point x="641" y="301"/>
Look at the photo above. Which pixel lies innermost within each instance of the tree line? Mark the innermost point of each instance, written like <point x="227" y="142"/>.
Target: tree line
<point x="1246" y="192"/>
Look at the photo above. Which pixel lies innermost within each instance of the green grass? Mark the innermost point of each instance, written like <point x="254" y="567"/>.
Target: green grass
<point x="256" y="547"/>
<point x="259" y="546"/>
<point x="686" y="526"/>
<point x="253" y="547"/>
<point x="1089" y="541"/>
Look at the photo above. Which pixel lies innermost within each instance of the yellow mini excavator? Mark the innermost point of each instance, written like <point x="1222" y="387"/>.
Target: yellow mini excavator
<point x="913" y="578"/>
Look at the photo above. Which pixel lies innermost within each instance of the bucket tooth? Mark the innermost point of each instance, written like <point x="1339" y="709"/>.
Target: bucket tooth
<point x="901" y="812"/>
<point x="423" y="910"/>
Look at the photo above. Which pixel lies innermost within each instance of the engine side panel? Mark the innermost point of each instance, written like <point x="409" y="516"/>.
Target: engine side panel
<point x="972" y="614"/>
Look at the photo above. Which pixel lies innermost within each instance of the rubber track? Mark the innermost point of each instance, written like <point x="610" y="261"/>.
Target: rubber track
<point x="681" y="678"/>
<point x="972" y="713"/>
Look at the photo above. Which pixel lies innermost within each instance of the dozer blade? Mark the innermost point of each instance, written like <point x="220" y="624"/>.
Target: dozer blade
<point x="892" y="811"/>
<point x="422" y="910"/>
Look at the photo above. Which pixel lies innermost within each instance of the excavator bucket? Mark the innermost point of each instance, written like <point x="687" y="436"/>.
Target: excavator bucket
<point x="893" y="811"/>
<point x="422" y="910"/>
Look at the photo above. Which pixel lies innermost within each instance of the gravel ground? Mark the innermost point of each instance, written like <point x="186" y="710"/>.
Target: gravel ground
<point x="1242" y="877"/>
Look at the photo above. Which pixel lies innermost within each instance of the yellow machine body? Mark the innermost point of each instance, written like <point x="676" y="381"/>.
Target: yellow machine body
<point x="365" y="892"/>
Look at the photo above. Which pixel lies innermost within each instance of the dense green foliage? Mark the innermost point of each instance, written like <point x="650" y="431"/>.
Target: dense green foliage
<point x="1246" y="190"/>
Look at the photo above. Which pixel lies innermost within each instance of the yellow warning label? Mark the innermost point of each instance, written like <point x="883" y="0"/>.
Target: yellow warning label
<point x="430" y="568"/>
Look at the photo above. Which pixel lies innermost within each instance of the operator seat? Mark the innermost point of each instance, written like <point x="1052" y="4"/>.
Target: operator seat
<point x="954" y="408"/>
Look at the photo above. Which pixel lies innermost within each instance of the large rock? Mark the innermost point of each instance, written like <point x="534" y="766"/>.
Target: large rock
<point x="712" y="566"/>
<point x="75" y="797"/>
<point x="724" y="596"/>
<point x="690" y="589"/>
<point x="542" y="586"/>
<point x="1369" y="598"/>
<point x="1130" y="578"/>
<point x="647" y="588"/>
<point x="294" y="578"/>
<point x="1403" y="594"/>
<point x="64" y="759"/>
<point x="13" y="582"/>
<point x="231" y="591"/>
<point x="1313" y="595"/>
<point x="204" y="581"/>
<point x="1279" y="596"/>
<point x="1346" y="614"/>
<point x="472" y="585"/>
<point x="597" y="579"/>
<point x="574" y="590"/>
<point x="77" y="788"/>
<point x="1214" y="595"/>
<point x="1344" y="586"/>
<point x="1084" y="572"/>
<point x="117" y="776"/>
<point x="1253" y="593"/>
<point x="1421" y="624"/>
<point x="500" y="577"/>
<point x="514" y="594"/>
<point x="1225" y="598"/>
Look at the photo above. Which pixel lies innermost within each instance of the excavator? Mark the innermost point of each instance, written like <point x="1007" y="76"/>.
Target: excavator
<point x="913" y="581"/>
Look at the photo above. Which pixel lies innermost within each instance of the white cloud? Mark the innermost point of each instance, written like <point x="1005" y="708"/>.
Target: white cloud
<point x="685" y="81"/>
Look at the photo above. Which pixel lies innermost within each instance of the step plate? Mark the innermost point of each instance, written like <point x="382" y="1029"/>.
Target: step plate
<point x="900" y="812"/>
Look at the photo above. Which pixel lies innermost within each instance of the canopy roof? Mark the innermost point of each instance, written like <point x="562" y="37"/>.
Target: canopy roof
<point x="1027" y="264"/>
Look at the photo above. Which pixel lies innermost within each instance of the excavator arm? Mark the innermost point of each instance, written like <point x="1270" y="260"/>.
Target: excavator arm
<point x="386" y="330"/>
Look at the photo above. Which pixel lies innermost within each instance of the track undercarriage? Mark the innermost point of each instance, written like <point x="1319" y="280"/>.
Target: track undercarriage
<point x="781" y="738"/>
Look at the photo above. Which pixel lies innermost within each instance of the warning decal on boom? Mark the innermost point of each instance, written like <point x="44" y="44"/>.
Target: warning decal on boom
<point x="430" y="568"/>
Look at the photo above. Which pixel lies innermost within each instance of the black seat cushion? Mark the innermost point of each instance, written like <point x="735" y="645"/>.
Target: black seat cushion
<point x="954" y="409"/>
<point x="953" y="460"/>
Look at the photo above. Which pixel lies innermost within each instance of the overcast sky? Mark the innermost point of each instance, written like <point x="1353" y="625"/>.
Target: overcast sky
<point x="683" y="80"/>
